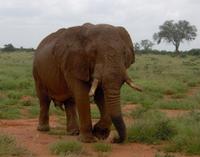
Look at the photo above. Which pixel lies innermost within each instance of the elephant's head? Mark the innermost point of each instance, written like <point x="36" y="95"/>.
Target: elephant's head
<point x="109" y="52"/>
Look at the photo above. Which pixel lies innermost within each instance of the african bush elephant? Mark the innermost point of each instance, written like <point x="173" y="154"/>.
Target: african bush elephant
<point x="73" y="64"/>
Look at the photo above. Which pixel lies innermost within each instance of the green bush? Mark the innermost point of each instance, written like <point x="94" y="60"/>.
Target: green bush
<point x="187" y="139"/>
<point x="9" y="147"/>
<point x="64" y="147"/>
<point x="194" y="52"/>
<point x="164" y="155"/>
<point x="138" y="112"/>
<point x="151" y="127"/>
<point x="102" y="147"/>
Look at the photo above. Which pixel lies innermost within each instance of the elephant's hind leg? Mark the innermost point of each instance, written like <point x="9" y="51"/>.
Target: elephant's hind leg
<point x="44" y="113"/>
<point x="71" y="116"/>
<point x="44" y="110"/>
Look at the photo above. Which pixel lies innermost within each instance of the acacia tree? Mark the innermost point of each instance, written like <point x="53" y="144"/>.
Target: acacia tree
<point x="8" y="48"/>
<point x="137" y="46"/>
<point x="146" y="44"/>
<point x="175" y="33"/>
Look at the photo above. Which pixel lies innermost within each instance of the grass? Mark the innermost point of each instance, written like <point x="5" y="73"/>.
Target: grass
<point x="15" y="82"/>
<point x="150" y="127"/>
<point x="95" y="114"/>
<point x="181" y="133"/>
<point x="161" y="75"/>
<point x="9" y="147"/>
<point x="102" y="147"/>
<point x="57" y="131"/>
<point x="166" y="81"/>
<point x="187" y="139"/>
<point x="65" y="148"/>
<point x="138" y="112"/>
<point x="185" y="103"/>
<point x="164" y="155"/>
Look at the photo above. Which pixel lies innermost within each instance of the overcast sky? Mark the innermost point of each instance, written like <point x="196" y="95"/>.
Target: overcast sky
<point x="26" y="22"/>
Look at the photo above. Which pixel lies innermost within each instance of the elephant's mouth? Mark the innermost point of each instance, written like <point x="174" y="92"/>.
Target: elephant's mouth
<point x="128" y="80"/>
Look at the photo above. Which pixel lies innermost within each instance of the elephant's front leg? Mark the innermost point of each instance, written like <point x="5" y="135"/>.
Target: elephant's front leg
<point x="81" y="91"/>
<point x="102" y="128"/>
<point x="71" y="116"/>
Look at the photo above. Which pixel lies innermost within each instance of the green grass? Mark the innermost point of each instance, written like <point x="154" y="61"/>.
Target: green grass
<point x="187" y="139"/>
<point x="150" y="127"/>
<point x="57" y="131"/>
<point x="161" y="75"/>
<point x="177" y="104"/>
<point x="95" y="114"/>
<point x="182" y="133"/>
<point x="138" y="112"/>
<point x="66" y="147"/>
<point x="102" y="147"/>
<point x="15" y="82"/>
<point x="9" y="147"/>
<point x="157" y="74"/>
<point x="164" y="155"/>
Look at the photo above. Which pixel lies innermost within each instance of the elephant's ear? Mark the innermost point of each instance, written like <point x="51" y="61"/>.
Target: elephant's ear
<point x="129" y="53"/>
<point x="80" y="57"/>
<point x="70" y="54"/>
<point x="78" y="66"/>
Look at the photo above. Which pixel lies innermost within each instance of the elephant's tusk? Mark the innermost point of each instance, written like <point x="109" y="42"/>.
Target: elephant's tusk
<point x="93" y="87"/>
<point x="132" y="85"/>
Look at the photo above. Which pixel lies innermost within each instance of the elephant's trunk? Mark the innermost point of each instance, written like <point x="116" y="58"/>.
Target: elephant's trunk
<point x="112" y="99"/>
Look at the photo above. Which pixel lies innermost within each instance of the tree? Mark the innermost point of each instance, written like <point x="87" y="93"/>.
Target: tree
<point x="175" y="33"/>
<point x="146" y="44"/>
<point x="8" y="48"/>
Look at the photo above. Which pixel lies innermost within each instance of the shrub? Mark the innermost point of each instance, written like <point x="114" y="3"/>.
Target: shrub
<point x="194" y="52"/>
<point x="138" y="112"/>
<point x="64" y="147"/>
<point x="151" y="127"/>
<point x="102" y="147"/>
<point x="188" y="135"/>
<point x="164" y="155"/>
<point x="9" y="147"/>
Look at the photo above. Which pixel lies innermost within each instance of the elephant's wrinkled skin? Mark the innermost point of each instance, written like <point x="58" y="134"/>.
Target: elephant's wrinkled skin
<point x="71" y="64"/>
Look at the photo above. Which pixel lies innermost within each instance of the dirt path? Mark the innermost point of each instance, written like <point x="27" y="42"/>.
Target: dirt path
<point x="37" y="142"/>
<point x="26" y="134"/>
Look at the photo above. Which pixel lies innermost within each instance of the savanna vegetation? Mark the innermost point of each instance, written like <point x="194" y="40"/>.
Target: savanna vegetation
<point x="169" y="82"/>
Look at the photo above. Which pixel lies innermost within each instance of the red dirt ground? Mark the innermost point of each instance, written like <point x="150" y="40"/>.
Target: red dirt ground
<point x="26" y="134"/>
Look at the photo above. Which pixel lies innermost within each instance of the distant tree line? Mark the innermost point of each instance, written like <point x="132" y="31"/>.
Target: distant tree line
<point x="165" y="52"/>
<point x="11" y="48"/>
<point x="170" y="32"/>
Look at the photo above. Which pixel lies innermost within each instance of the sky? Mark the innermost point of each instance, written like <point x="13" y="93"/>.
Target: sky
<point x="26" y="22"/>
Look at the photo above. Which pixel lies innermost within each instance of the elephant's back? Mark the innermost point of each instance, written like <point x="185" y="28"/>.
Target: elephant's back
<point x="51" y="38"/>
<point x="46" y="69"/>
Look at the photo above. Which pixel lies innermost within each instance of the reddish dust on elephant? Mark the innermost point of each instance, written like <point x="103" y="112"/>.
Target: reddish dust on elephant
<point x="73" y="64"/>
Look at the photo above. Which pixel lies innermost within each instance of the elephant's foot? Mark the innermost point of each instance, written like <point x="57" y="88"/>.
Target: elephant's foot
<point x="87" y="138"/>
<point x="44" y="127"/>
<point x="100" y="131"/>
<point x="73" y="132"/>
<point x="117" y="140"/>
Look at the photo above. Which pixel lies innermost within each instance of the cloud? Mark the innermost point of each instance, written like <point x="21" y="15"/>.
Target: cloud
<point x="26" y="22"/>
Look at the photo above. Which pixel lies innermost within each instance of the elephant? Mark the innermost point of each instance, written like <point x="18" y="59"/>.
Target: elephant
<point x="76" y="63"/>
